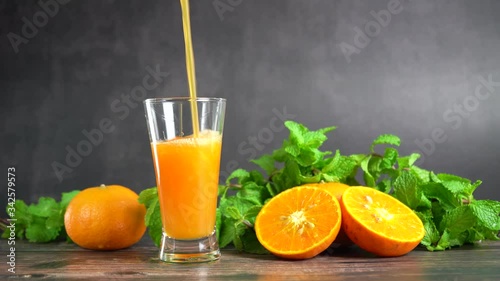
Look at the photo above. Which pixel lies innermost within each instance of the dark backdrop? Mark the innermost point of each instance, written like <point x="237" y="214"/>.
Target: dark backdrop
<point x="73" y="76"/>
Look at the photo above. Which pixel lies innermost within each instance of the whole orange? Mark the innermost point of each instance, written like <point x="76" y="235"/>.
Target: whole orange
<point x="105" y="218"/>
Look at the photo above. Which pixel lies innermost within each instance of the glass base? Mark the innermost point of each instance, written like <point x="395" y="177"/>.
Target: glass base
<point x="205" y="249"/>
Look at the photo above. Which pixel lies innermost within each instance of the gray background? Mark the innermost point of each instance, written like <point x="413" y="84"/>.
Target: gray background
<point x="266" y="58"/>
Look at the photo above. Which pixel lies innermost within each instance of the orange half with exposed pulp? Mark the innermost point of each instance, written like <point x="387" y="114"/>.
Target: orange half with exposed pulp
<point x="379" y="223"/>
<point x="299" y="223"/>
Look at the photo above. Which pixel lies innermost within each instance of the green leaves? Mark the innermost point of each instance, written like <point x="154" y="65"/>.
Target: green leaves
<point x="338" y="168"/>
<point x="486" y="213"/>
<point x="266" y="162"/>
<point x="407" y="191"/>
<point x="302" y="145"/>
<point x="385" y="139"/>
<point x="43" y="221"/>
<point x="445" y="204"/>
<point x="149" y="197"/>
<point x="237" y="213"/>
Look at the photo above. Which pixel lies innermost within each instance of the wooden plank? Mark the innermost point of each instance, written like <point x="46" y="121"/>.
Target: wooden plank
<point x="68" y="261"/>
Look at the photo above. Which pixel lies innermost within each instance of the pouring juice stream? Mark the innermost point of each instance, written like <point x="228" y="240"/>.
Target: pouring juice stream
<point x="190" y="69"/>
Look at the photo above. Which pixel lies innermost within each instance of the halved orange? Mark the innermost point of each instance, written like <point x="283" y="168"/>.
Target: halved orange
<point x="379" y="223"/>
<point x="337" y="189"/>
<point x="299" y="223"/>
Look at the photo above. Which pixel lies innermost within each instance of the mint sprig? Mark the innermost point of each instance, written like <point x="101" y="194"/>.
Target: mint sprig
<point x="40" y="222"/>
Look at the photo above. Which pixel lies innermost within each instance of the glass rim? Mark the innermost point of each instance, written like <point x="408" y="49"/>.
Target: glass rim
<point x="175" y="99"/>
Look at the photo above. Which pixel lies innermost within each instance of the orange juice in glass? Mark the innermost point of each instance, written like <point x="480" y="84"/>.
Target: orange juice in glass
<point x="187" y="161"/>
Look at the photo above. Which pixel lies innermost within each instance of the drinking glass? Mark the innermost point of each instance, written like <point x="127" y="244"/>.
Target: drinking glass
<point x="186" y="142"/>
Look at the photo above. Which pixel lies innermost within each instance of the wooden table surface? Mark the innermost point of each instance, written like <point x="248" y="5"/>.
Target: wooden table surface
<point x="68" y="261"/>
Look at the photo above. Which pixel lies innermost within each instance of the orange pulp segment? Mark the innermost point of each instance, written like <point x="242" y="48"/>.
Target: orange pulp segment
<point x="337" y="189"/>
<point x="299" y="223"/>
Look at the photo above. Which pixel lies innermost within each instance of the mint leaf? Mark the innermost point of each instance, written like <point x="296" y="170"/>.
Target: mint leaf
<point x="227" y="232"/>
<point x="458" y="220"/>
<point x="494" y="204"/>
<point x="55" y="220"/>
<point x="406" y="162"/>
<point x="288" y="177"/>
<point x="384" y="185"/>
<point x="23" y="218"/>
<point x="486" y="214"/>
<point x="444" y="196"/>
<point x="389" y="159"/>
<point x="315" y="139"/>
<point x="357" y="158"/>
<point x="309" y="156"/>
<point x="66" y="197"/>
<point x="45" y="207"/>
<point x="148" y="196"/>
<point x="314" y="178"/>
<point x="385" y="139"/>
<point x="239" y="174"/>
<point x="251" y="214"/>
<point x="254" y="193"/>
<point x="456" y="187"/>
<point x="38" y="232"/>
<point x="339" y="168"/>
<point x="266" y="163"/>
<point x="367" y="176"/>
<point x="470" y="190"/>
<point x="237" y="219"/>
<point x="239" y="230"/>
<point x="280" y="155"/>
<point x="448" y="177"/>
<point x="233" y="213"/>
<point x="432" y="235"/>
<point x="251" y="244"/>
<point x="422" y="174"/>
<point x="406" y="190"/>
<point x="241" y="204"/>
<point x="297" y="132"/>
<point x="444" y="242"/>
<point x="301" y="136"/>
<point x="450" y="239"/>
<point x="292" y="150"/>
<point x="152" y="219"/>
<point x="154" y="224"/>
<point x="458" y="238"/>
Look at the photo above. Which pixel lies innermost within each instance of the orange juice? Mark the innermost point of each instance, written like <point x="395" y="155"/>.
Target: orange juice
<point x="190" y="67"/>
<point x="187" y="174"/>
